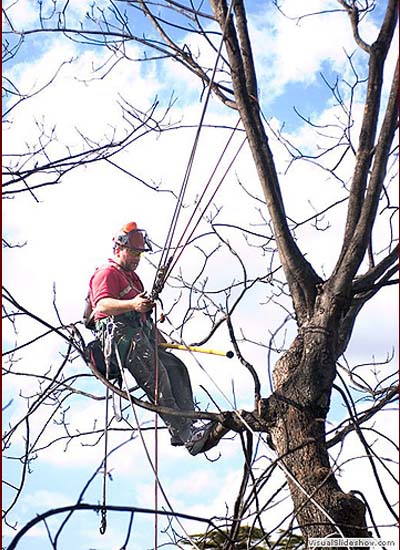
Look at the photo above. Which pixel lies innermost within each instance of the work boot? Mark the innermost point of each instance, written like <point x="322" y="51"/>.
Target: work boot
<point x="176" y="441"/>
<point x="205" y="437"/>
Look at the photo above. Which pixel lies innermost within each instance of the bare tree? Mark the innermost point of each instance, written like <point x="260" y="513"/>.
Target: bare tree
<point x="325" y="309"/>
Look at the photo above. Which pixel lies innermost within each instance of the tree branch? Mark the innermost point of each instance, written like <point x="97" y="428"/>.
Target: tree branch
<point x="301" y="277"/>
<point x="379" y="50"/>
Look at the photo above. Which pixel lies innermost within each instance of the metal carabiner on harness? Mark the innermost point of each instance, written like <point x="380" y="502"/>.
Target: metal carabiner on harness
<point x="108" y="339"/>
<point x="108" y="345"/>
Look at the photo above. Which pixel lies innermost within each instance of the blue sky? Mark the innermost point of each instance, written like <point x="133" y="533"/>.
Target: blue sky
<point x="68" y="233"/>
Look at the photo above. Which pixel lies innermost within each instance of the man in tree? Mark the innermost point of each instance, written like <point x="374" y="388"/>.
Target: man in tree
<point x="122" y="317"/>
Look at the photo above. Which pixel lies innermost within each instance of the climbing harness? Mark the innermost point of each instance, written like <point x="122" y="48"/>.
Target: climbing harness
<point x="89" y="312"/>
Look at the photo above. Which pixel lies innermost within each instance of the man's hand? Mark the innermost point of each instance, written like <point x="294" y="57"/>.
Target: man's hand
<point x="141" y="303"/>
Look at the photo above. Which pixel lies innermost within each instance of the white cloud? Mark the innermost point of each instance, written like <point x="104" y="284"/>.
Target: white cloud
<point x="21" y="13"/>
<point x="78" y="109"/>
<point x="291" y="54"/>
<point x="46" y="499"/>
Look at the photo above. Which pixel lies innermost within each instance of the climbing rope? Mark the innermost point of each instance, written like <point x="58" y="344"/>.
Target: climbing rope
<point x="156" y="384"/>
<point x="107" y="358"/>
<point x="165" y="270"/>
<point x="103" y="524"/>
<point x="172" y="228"/>
<point x="174" y="260"/>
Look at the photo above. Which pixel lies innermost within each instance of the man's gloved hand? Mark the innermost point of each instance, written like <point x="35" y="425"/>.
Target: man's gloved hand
<point x="141" y="303"/>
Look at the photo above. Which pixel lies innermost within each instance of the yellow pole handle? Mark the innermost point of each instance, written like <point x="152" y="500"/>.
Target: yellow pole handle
<point x="229" y="354"/>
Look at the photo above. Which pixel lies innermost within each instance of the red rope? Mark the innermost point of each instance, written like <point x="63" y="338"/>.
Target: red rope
<point x="207" y="186"/>
<point x="156" y="377"/>
<point x="189" y="166"/>
<point x="173" y="263"/>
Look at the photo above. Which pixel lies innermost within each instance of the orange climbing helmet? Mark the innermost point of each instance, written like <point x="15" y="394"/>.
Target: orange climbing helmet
<point x="130" y="236"/>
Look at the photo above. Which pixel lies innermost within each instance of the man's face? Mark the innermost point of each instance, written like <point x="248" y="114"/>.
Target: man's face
<point x="128" y="258"/>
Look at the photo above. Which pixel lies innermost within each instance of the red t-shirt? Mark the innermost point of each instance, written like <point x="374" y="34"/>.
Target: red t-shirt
<point x="112" y="281"/>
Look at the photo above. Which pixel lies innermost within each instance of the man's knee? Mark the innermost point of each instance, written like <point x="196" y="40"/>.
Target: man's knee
<point x="171" y="361"/>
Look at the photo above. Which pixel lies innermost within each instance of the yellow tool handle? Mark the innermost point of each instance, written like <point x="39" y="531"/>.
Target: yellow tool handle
<point x="229" y="354"/>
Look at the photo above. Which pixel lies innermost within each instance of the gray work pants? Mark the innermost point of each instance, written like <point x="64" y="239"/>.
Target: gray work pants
<point x="136" y="349"/>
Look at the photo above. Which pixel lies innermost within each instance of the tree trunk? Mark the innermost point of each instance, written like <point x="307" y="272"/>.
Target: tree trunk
<point x="303" y="379"/>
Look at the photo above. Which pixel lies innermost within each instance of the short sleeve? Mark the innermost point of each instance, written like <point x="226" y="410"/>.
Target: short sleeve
<point x="105" y="283"/>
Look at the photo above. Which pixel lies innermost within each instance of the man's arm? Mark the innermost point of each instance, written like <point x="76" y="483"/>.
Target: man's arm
<point x="113" y="306"/>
